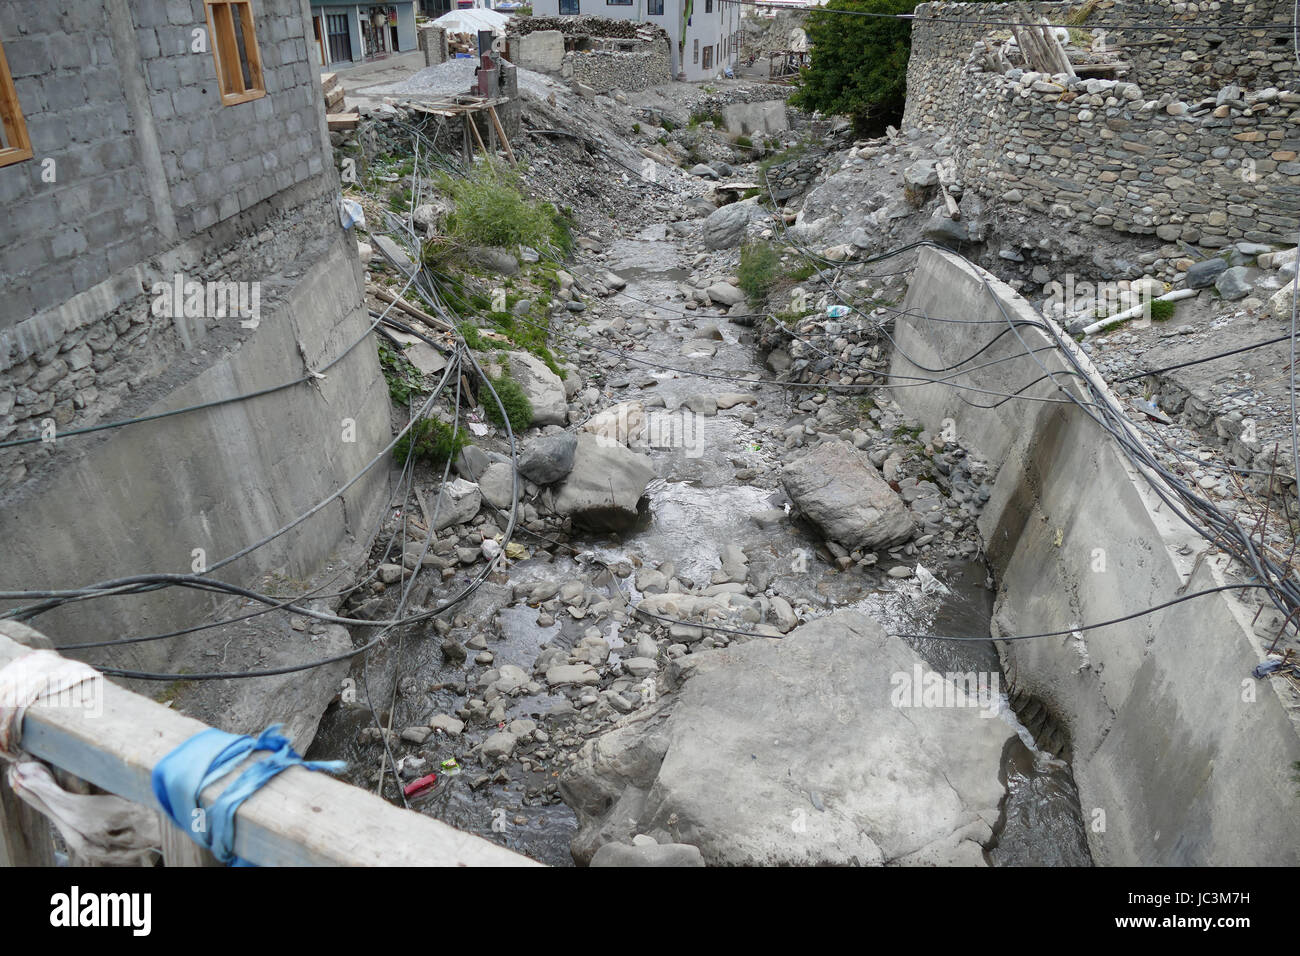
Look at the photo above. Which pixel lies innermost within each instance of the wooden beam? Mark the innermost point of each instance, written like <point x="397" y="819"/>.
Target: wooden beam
<point x="386" y="296"/>
<point x="341" y="121"/>
<point x="300" y="818"/>
<point x="501" y="134"/>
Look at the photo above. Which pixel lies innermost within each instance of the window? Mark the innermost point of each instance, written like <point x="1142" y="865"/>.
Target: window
<point x="696" y="48"/>
<point x="15" y="146"/>
<point x="654" y="8"/>
<point x="708" y="6"/>
<point x="234" y="48"/>
<point x="618" y="3"/>
<point x="568" y="8"/>
<point x="708" y="58"/>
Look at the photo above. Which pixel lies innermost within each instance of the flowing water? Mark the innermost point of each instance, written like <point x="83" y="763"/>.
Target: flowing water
<point x="700" y="502"/>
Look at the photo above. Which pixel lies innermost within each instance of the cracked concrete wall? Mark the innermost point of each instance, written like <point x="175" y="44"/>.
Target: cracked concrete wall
<point x="1181" y="757"/>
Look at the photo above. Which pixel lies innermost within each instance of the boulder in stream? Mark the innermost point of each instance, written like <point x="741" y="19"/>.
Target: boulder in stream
<point x="800" y="751"/>
<point x="603" y="490"/>
<point x="837" y="488"/>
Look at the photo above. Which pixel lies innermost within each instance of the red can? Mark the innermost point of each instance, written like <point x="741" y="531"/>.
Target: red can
<point x="419" y="786"/>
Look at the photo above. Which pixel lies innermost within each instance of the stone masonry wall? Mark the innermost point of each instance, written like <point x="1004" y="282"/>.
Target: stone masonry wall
<point x="1209" y="175"/>
<point x="1187" y="63"/>
<point x="604" y="70"/>
<point x="1198" y="142"/>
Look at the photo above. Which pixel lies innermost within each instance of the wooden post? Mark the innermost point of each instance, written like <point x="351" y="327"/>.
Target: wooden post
<point x="505" y="141"/>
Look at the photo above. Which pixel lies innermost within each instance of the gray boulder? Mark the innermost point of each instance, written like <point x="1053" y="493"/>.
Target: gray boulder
<point x="545" y="389"/>
<point x="496" y="485"/>
<point x="724" y="293"/>
<point x="548" y="458"/>
<point x="606" y="483"/>
<point x="492" y="259"/>
<point x="946" y="231"/>
<point x="1202" y="275"/>
<point x="838" y="489"/>
<point x="807" y="750"/>
<point x="1233" y="283"/>
<point x="659" y="854"/>
<point x="458" y="502"/>
<point x="725" y="227"/>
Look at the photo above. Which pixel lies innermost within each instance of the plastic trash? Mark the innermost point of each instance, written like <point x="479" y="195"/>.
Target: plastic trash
<point x="837" y="311"/>
<point x="929" y="583"/>
<point x="351" y="214"/>
<point x="420" y="785"/>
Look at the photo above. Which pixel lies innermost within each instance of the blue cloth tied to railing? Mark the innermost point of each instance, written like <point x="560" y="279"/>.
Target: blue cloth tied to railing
<point x="181" y="777"/>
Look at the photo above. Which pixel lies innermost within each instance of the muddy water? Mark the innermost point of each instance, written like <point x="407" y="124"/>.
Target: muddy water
<point x="701" y="500"/>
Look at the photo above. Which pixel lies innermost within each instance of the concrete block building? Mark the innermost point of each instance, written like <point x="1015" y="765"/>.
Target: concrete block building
<point x="345" y="31"/>
<point x="173" y="239"/>
<point x="704" y="34"/>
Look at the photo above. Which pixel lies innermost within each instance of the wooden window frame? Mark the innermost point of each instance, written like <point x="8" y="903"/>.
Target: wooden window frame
<point x="231" y="84"/>
<point x="11" y="115"/>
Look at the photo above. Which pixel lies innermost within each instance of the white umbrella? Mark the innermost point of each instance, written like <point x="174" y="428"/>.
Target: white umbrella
<point x="472" y="21"/>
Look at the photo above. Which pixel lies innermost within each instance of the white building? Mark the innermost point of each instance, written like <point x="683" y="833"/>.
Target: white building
<point x="705" y="34"/>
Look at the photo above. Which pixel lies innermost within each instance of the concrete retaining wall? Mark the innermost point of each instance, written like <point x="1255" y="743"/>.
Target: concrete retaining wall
<point x="142" y="498"/>
<point x="1181" y="757"/>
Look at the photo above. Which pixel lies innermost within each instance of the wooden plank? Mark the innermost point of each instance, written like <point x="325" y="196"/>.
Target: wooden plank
<point x="338" y="121"/>
<point x="300" y="818"/>
<point x="429" y="320"/>
<point x="327" y="81"/>
<point x="473" y="128"/>
<point x="501" y="134"/>
<point x="333" y="99"/>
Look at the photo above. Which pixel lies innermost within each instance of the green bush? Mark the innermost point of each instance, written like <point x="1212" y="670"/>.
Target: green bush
<point x="1161" y="310"/>
<point x="435" y="441"/>
<point x="744" y="142"/>
<point x="517" y="405"/>
<point x="800" y="273"/>
<point x="492" y="210"/>
<point x="757" y="272"/>
<point x="404" y="379"/>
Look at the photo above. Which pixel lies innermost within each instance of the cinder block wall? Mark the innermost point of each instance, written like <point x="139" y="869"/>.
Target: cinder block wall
<point x="154" y="177"/>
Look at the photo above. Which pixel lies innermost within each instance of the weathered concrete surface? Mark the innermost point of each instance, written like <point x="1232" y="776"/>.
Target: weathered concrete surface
<point x="142" y="498"/>
<point x="746" y="118"/>
<point x="794" y="751"/>
<point x="1188" y="757"/>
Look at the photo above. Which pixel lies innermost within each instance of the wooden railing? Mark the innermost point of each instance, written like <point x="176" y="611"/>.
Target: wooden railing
<point x="300" y="818"/>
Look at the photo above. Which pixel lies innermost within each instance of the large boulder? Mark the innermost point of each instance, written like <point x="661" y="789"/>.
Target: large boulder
<point x="1202" y="275"/>
<point x="621" y="424"/>
<point x="725" y="227"/>
<point x="548" y="458"/>
<point x="497" y="485"/>
<point x="545" y="389"/>
<point x="836" y="488"/>
<point x="806" y="750"/>
<point x="458" y="502"/>
<point x="605" y="486"/>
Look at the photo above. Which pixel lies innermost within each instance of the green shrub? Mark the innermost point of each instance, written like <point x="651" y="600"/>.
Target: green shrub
<point x="492" y="210"/>
<point x="434" y="441"/>
<point x="1161" y="310"/>
<point x="636" y="127"/>
<point x="757" y="272"/>
<point x="800" y="273"/>
<point x="517" y="405"/>
<point x="744" y="142"/>
<point x="704" y="116"/>
<point x="404" y="379"/>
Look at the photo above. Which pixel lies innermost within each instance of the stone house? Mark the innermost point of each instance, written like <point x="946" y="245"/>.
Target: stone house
<point x="704" y="34"/>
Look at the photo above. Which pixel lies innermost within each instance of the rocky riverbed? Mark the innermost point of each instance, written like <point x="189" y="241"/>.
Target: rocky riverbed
<point x="687" y="651"/>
